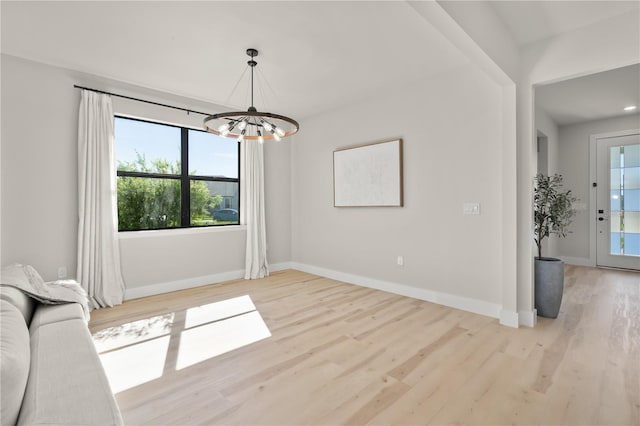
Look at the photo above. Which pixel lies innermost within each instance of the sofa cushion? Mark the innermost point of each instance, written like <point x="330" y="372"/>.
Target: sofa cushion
<point x="49" y="314"/>
<point x="17" y="298"/>
<point x="14" y="361"/>
<point x="67" y="384"/>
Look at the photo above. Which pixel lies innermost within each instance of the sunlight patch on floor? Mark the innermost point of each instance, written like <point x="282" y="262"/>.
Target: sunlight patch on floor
<point x="216" y="338"/>
<point x="141" y="351"/>
<point x="133" y="332"/>
<point x="218" y="310"/>
<point x="135" y="364"/>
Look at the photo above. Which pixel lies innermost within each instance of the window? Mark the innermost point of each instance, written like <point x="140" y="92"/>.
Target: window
<point x="174" y="177"/>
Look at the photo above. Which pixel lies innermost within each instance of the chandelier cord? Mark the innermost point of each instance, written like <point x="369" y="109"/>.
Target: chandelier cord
<point x="260" y="76"/>
<point x="226" y="102"/>
<point x="266" y="83"/>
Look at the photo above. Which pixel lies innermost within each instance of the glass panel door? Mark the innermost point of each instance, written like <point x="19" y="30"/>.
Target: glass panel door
<point x="618" y="197"/>
<point x="625" y="199"/>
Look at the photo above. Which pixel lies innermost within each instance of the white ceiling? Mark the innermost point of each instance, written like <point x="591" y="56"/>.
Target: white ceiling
<point x="314" y="56"/>
<point x="591" y="97"/>
<point x="531" y="21"/>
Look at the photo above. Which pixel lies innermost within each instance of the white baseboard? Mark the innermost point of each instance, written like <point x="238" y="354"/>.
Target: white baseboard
<point x="509" y="318"/>
<point x="169" y="286"/>
<point x="280" y="266"/>
<point x="578" y="261"/>
<point x="528" y="318"/>
<point x="480" y="307"/>
<point x="466" y="304"/>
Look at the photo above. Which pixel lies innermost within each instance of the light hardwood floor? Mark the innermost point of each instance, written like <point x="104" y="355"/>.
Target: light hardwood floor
<point x="342" y="354"/>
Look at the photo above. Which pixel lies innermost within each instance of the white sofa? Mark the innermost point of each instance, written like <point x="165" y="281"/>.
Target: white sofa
<point x="50" y="370"/>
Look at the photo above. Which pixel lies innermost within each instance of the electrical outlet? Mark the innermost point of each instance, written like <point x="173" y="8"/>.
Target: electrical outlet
<point x="62" y="272"/>
<point x="400" y="260"/>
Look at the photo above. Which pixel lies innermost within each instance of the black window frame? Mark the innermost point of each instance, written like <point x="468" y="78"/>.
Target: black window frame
<point x="184" y="177"/>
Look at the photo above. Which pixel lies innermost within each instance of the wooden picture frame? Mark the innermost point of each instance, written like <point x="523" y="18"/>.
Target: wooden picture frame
<point x="368" y="175"/>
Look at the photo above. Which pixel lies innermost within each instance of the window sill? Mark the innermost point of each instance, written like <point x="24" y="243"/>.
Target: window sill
<point x="179" y="231"/>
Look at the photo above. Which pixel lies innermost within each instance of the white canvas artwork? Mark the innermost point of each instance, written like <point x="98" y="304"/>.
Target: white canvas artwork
<point x="368" y="175"/>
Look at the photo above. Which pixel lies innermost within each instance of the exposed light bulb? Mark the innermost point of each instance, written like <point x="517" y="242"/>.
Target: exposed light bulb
<point x="226" y="128"/>
<point x="276" y="137"/>
<point x="241" y="137"/>
<point x="279" y="131"/>
<point x="242" y="125"/>
<point x="260" y="138"/>
<point x="267" y="126"/>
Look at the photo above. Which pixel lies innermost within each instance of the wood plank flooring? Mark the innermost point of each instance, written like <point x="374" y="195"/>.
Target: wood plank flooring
<point x="342" y="354"/>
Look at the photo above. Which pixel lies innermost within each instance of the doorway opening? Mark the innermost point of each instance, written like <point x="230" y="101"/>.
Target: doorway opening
<point x="543" y="153"/>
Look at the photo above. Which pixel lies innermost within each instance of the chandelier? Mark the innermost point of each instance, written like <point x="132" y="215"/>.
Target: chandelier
<point x="251" y="124"/>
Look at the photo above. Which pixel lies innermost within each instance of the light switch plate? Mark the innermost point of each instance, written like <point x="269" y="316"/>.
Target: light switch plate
<point x="471" y="208"/>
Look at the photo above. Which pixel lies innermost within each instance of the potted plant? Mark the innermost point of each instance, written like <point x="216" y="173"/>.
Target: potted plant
<point x="553" y="212"/>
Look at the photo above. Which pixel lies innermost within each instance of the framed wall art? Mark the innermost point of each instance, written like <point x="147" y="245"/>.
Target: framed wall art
<point x="368" y="175"/>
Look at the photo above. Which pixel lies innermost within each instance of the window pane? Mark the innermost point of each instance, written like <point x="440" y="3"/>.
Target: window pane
<point x="148" y="203"/>
<point x="632" y="155"/>
<point x="615" y="200"/>
<point x="614" y="180"/>
<point x="616" y="243"/>
<point x="632" y="222"/>
<point x="211" y="155"/>
<point x="632" y="233"/>
<point x="632" y="200"/>
<point x="147" y="147"/>
<point x="214" y="203"/>
<point x="615" y="157"/>
<point x="632" y="177"/>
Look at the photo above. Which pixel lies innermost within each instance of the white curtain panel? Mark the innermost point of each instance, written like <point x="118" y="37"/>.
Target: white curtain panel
<point x="98" y="251"/>
<point x="256" y="265"/>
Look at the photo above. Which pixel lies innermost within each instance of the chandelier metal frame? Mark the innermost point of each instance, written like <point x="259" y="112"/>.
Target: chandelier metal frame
<point x="251" y="124"/>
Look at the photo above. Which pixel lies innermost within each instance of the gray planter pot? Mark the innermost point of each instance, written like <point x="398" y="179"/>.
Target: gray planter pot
<point x="549" y="282"/>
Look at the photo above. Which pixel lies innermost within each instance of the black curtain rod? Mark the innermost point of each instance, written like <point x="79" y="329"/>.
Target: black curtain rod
<point x="140" y="100"/>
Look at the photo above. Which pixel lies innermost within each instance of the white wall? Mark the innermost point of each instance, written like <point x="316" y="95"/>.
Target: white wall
<point x="487" y="30"/>
<point x="548" y="127"/>
<point x="277" y="188"/>
<point x="39" y="186"/>
<point x="451" y="129"/>
<point x="574" y="166"/>
<point x="39" y="190"/>
<point x="497" y="58"/>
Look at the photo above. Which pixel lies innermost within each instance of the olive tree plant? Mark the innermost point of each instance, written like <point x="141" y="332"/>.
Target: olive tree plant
<point x="552" y="208"/>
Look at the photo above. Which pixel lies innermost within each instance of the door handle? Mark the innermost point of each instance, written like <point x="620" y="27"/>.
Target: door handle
<point x="601" y="219"/>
